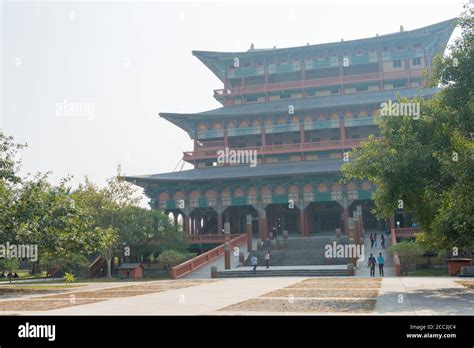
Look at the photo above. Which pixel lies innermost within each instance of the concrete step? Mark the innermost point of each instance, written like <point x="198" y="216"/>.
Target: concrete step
<point x="282" y="273"/>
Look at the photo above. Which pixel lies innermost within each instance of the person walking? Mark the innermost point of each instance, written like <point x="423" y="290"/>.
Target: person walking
<point x="372" y="264"/>
<point x="375" y="239"/>
<point x="380" y="261"/>
<point x="254" y="261"/>
<point x="267" y="258"/>
<point x="274" y="232"/>
<point x="382" y="241"/>
<point x="371" y="240"/>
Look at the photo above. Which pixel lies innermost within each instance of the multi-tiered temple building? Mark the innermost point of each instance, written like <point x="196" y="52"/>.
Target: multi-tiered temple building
<point x="300" y="109"/>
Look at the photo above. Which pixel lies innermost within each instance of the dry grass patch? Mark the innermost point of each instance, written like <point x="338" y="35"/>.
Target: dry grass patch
<point x="159" y="286"/>
<point x="303" y="306"/>
<point x="41" y="305"/>
<point x="327" y="285"/>
<point x="467" y="283"/>
<point x="301" y="293"/>
<point x="98" y="294"/>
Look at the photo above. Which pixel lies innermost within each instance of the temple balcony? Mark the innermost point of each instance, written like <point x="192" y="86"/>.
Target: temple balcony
<point x="301" y="85"/>
<point x="210" y="152"/>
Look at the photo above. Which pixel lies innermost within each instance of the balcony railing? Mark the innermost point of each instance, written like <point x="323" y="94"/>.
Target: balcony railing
<point x="278" y="149"/>
<point x="327" y="81"/>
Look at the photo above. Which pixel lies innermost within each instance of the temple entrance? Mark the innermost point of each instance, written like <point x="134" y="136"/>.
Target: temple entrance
<point x="237" y="216"/>
<point x="325" y="217"/>
<point x="283" y="218"/>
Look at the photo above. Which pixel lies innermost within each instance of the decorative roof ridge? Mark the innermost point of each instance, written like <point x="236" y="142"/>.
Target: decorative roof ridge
<point x="207" y="56"/>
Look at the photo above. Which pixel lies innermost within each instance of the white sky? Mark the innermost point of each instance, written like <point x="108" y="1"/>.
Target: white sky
<point x="131" y="60"/>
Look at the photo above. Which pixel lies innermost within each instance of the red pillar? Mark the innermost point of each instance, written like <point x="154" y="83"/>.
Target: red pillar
<point x="186" y="223"/>
<point x="346" y="220"/>
<point x="302" y="222"/>
<point x="342" y="130"/>
<point x="249" y="232"/>
<point x="219" y="222"/>
<point x="306" y="222"/>
<point x="262" y="224"/>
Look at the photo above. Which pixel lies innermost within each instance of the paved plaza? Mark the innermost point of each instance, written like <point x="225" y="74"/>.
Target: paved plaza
<point x="393" y="296"/>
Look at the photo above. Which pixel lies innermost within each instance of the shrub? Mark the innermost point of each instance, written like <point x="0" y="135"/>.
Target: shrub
<point x="172" y="257"/>
<point x="69" y="278"/>
<point x="408" y="253"/>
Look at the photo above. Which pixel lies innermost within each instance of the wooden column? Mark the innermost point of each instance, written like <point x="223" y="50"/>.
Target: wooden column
<point x="175" y="220"/>
<point x="219" y="222"/>
<point x="192" y="224"/>
<point x="262" y="224"/>
<point x="249" y="232"/>
<point x="346" y="220"/>
<point x="342" y="130"/>
<point x="306" y="222"/>
<point x="227" y="249"/>
<point x="361" y="220"/>
<point x="186" y="222"/>
<point x="302" y="140"/>
<point x="302" y="223"/>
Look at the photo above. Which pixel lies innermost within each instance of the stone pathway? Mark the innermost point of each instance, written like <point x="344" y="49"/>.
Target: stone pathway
<point x="389" y="269"/>
<point x="397" y="296"/>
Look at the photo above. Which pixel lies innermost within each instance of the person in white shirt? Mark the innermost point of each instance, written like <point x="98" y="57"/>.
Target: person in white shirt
<point x="267" y="258"/>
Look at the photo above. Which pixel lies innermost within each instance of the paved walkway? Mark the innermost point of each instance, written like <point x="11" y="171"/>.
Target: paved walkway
<point x="389" y="269"/>
<point x="397" y="296"/>
<point x="424" y="296"/>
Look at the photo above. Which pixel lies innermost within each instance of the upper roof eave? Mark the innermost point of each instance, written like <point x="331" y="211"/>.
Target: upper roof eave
<point x="209" y="58"/>
<point x="305" y="104"/>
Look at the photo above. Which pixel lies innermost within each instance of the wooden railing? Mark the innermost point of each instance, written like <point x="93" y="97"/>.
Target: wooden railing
<point x="282" y="148"/>
<point x="199" y="261"/>
<point x="406" y="232"/>
<point x="210" y="238"/>
<point x="326" y="81"/>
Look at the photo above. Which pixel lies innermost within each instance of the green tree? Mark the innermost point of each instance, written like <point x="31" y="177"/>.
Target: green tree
<point x="408" y="252"/>
<point x="428" y="162"/>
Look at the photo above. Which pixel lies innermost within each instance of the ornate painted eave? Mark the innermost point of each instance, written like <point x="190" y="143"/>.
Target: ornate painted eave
<point x="213" y="174"/>
<point x="441" y="32"/>
<point x="185" y="121"/>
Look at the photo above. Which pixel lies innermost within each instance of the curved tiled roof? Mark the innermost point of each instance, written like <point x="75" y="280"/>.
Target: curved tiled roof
<point x="311" y="103"/>
<point x="216" y="61"/>
<point x="242" y="172"/>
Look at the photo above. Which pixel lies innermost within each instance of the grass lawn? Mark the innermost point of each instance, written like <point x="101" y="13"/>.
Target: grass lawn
<point x="33" y="289"/>
<point x="23" y="274"/>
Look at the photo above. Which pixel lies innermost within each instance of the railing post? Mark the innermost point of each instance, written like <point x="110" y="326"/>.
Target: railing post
<point x="227" y="245"/>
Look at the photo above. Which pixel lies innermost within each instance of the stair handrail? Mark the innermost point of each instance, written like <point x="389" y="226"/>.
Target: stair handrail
<point x="201" y="260"/>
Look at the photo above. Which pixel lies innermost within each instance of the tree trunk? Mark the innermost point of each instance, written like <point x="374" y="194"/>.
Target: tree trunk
<point x="109" y="264"/>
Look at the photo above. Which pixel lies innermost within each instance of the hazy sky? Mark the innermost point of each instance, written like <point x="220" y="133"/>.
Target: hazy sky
<point x="121" y="63"/>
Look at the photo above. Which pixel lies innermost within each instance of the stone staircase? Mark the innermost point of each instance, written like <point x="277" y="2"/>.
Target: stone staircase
<point x="303" y="257"/>
<point x="299" y="252"/>
<point x="316" y="271"/>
